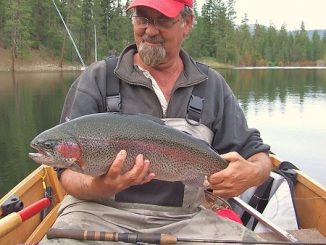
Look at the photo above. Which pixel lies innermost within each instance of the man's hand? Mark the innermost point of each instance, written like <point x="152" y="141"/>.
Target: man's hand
<point x="115" y="181"/>
<point x="96" y="188"/>
<point x="240" y="175"/>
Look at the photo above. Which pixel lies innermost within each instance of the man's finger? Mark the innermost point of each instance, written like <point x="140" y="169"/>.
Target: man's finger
<point x="133" y="175"/>
<point x="117" y="164"/>
<point x="145" y="175"/>
<point x="217" y="178"/>
<point x="231" y="156"/>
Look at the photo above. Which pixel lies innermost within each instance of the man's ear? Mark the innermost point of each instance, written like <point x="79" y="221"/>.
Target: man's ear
<point x="187" y="24"/>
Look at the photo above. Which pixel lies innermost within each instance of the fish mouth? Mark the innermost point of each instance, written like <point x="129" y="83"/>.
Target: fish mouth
<point x="45" y="157"/>
<point x="41" y="157"/>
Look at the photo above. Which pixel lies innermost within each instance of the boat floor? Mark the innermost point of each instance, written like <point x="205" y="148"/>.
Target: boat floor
<point x="303" y="235"/>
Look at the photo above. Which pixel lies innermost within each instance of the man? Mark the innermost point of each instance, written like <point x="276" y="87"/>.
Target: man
<point x="157" y="77"/>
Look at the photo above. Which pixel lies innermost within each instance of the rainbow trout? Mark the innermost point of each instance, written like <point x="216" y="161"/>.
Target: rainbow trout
<point x="90" y="143"/>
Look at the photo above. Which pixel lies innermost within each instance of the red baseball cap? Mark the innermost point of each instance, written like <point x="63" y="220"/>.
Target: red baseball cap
<point x="170" y="8"/>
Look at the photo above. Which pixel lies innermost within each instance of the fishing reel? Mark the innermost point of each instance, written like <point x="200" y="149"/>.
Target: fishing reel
<point x="215" y="203"/>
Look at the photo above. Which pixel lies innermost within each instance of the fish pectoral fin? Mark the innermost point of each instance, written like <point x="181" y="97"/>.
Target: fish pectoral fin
<point x="197" y="181"/>
<point x="76" y="165"/>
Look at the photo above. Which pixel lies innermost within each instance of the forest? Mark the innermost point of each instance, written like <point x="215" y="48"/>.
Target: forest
<point x="101" y="27"/>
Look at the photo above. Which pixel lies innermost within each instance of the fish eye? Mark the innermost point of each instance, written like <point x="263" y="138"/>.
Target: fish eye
<point x="49" y="144"/>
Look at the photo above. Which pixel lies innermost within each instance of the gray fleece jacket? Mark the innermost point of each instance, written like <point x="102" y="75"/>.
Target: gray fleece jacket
<point x="221" y="113"/>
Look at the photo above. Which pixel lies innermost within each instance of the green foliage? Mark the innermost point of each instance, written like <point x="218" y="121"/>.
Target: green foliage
<point x="215" y="34"/>
<point x="16" y="26"/>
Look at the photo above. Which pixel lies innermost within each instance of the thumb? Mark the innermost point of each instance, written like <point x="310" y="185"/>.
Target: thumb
<point x="231" y="156"/>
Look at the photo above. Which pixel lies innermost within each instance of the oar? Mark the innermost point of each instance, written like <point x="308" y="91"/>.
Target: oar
<point x="150" y="238"/>
<point x="13" y="220"/>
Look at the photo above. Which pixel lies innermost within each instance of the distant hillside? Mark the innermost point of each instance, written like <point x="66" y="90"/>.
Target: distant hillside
<point x="320" y="32"/>
<point x="310" y="33"/>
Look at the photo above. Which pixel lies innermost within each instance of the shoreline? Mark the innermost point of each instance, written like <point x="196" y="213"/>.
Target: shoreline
<point x="38" y="60"/>
<point x="41" y="67"/>
<point x="52" y="67"/>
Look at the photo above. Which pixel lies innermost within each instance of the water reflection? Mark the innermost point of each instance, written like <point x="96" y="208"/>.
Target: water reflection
<point x="270" y="85"/>
<point x="29" y="103"/>
<point x="286" y="105"/>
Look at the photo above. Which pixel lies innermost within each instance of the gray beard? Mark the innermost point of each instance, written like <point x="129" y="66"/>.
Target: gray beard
<point x="151" y="56"/>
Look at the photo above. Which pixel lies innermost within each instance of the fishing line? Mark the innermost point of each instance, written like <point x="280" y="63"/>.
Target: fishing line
<point x="296" y="198"/>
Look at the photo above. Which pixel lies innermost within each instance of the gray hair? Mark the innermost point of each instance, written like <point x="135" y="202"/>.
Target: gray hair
<point x="186" y="11"/>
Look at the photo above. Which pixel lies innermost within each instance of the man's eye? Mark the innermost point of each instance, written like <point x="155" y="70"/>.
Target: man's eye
<point x="162" y="21"/>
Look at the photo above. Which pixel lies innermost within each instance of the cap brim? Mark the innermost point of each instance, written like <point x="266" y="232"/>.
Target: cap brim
<point x="169" y="8"/>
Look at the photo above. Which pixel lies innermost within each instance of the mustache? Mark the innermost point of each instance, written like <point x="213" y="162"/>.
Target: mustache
<point x="153" y="39"/>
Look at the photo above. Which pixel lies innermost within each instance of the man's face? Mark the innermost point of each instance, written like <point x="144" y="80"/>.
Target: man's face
<point x="159" y="41"/>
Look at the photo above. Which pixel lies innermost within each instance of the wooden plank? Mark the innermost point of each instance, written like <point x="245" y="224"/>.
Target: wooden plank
<point x="43" y="227"/>
<point x="30" y="190"/>
<point x="304" y="235"/>
<point x="311" y="184"/>
<point x="55" y="183"/>
<point x="33" y="194"/>
<point x="311" y="208"/>
<point x="310" y="199"/>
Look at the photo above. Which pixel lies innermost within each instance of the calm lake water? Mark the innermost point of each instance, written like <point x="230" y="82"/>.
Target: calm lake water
<point x="287" y="106"/>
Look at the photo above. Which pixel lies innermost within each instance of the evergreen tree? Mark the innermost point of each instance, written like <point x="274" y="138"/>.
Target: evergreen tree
<point x="194" y="44"/>
<point x="316" y="47"/>
<point x="2" y="16"/>
<point x="230" y="32"/>
<point x="271" y="47"/>
<point x="243" y="43"/>
<point x="87" y="31"/>
<point x="17" y="27"/>
<point x="323" y="48"/>
<point x="210" y="39"/>
<point x="41" y="22"/>
<point x="214" y="35"/>
<point x="301" y="41"/>
<point x="259" y="43"/>
<point x="283" y="47"/>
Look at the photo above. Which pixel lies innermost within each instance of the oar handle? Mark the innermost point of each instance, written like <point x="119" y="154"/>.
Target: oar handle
<point x="153" y="238"/>
<point x="9" y="222"/>
<point x="13" y="220"/>
<point x="34" y="208"/>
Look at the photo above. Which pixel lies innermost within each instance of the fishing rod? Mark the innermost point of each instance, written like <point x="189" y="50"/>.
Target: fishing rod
<point x="67" y="29"/>
<point x="149" y="238"/>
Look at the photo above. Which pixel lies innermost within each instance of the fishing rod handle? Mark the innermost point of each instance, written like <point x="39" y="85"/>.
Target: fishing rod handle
<point x="82" y="235"/>
<point x="153" y="238"/>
